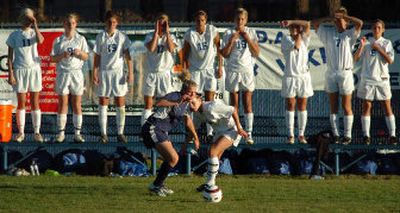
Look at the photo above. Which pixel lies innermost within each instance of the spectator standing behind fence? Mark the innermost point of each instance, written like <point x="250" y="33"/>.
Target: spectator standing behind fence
<point x="240" y="47"/>
<point x="296" y="82"/>
<point x="110" y="49"/>
<point x="338" y="42"/>
<point x="25" y="73"/>
<point x="201" y="46"/>
<point x="160" y="45"/>
<point x="70" y="51"/>
<point x="376" y="54"/>
<point x="171" y="110"/>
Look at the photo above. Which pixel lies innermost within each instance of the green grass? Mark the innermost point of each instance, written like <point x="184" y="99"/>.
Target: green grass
<point x="241" y="194"/>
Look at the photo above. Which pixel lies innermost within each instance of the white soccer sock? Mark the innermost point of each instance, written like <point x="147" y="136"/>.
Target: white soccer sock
<point x="77" y="120"/>
<point x="290" y="122"/>
<point x="145" y="114"/>
<point x="212" y="170"/>
<point x="209" y="129"/>
<point x="249" y="120"/>
<point x="302" y="121"/>
<point x="120" y="119"/>
<point x="36" y="120"/>
<point x="348" y="125"/>
<point x="334" y="124"/>
<point x="366" y="125"/>
<point x="21" y="120"/>
<point x="103" y="119"/>
<point x="391" y="125"/>
<point x="61" y="122"/>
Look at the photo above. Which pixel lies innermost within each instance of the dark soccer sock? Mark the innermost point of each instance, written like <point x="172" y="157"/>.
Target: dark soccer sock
<point x="162" y="174"/>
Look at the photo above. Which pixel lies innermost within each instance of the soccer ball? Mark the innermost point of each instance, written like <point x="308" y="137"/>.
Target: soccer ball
<point x="213" y="194"/>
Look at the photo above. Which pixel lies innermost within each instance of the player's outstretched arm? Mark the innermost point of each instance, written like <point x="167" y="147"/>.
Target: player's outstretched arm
<point x="235" y="117"/>
<point x="305" y="24"/>
<point x="192" y="131"/>
<point x="10" y="59"/>
<point x="39" y="36"/>
<point x="358" y="23"/>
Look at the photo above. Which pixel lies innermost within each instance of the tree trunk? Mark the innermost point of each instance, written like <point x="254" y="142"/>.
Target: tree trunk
<point x="303" y="8"/>
<point x="107" y="5"/>
<point x="333" y="5"/>
<point x="41" y="8"/>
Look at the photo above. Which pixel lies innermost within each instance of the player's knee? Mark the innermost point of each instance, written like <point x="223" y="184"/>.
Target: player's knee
<point x="173" y="161"/>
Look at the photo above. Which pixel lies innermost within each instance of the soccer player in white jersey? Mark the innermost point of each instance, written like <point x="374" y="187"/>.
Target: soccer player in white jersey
<point x="296" y="82"/>
<point x="376" y="54"/>
<point x="160" y="45"/>
<point x="338" y="42"/>
<point x="228" y="132"/>
<point x="25" y="73"/>
<point x="201" y="46"/>
<point x="240" y="47"/>
<point x="70" y="50"/>
<point x="110" y="49"/>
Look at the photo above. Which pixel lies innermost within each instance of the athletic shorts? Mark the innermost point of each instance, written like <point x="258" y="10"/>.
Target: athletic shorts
<point x="242" y="80"/>
<point x="112" y="84"/>
<point x="28" y="80"/>
<point x="300" y="87"/>
<point x="340" y="81"/>
<point x="379" y="91"/>
<point x="157" y="84"/>
<point x="151" y="135"/>
<point x="205" y="80"/>
<point x="71" y="82"/>
<point x="230" y="134"/>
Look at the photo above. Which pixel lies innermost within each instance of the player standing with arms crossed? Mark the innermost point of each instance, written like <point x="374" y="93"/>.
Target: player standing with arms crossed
<point x="25" y="72"/>
<point x="240" y="47"/>
<point x="296" y="82"/>
<point x="70" y="50"/>
<point x="110" y="49"/>
<point x="201" y="46"/>
<point x="376" y="54"/>
<point x="338" y="42"/>
<point x="157" y="82"/>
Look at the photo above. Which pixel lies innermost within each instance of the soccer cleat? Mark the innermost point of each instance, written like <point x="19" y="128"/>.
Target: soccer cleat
<point x="103" y="139"/>
<point x="78" y="138"/>
<point x="167" y="190"/>
<point x="157" y="190"/>
<point x="59" y="138"/>
<point x="346" y="140"/>
<point x="122" y="139"/>
<point x="38" y="138"/>
<point x="336" y="139"/>
<point x="393" y="140"/>
<point x="302" y="140"/>
<point x="366" y="140"/>
<point x="290" y="140"/>
<point x="249" y="140"/>
<point x="19" y="138"/>
<point x="202" y="187"/>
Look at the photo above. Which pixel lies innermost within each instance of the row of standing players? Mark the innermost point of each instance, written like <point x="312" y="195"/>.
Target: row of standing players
<point x="202" y="45"/>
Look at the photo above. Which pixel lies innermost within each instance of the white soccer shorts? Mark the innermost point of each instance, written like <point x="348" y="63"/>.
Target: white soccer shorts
<point x="157" y="84"/>
<point x="378" y="91"/>
<point x="242" y="80"/>
<point x="71" y="82"/>
<point x="300" y="87"/>
<point x="341" y="82"/>
<point x="28" y="80"/>
<point x="112" y="84"/>
<point x="205" y="80"/>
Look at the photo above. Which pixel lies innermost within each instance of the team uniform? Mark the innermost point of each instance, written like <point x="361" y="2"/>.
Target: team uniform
<point x="27" y="71"/>
<point x="375" y="81"/>
<point x="70" y="79"/>
<point x="202" y="57"/>
<point x="296" y="80"/>
<point x="239" y="65"/>
<point x="111" y="51"/>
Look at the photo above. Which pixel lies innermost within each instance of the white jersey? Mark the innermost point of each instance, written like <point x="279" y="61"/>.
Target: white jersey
<point x="161" y="60"/>
<point x="202" y="48"/>
<point x="296" y="59"/>
<point x="219" y="115"/>
<point x="63" y="44"/>
<point x="374" y="66"/>
<point x="24" y="44"/>
<point x="240" y="57"/>
<point x="338" y="47"/>
<point x="111" y="50"/>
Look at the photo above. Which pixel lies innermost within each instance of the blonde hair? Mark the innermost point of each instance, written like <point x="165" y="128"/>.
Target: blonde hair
<point x="25" y="13"/>
<point x="342" y="10"/>
<point x="72" y="16"/>
<point x="162" y="16"/>
<point x="241" y="11"/>
<point x="379" y="21"/>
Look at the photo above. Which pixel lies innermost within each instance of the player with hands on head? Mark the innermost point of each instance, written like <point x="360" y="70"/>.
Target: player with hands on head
<point x="296" y="82"/>
<point x="376" y="53"/>
<point x="110" y="50"/>
<point x="170" y="110"/>
<point x="160" y="45"/>
<point x="338" y="42"/>
<point x="25" y="74"/>
<point x="240" y="47"/>
<point x="70" y="51"/>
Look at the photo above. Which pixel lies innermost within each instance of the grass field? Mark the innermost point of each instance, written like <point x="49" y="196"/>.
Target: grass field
<point x="241" y="194"/>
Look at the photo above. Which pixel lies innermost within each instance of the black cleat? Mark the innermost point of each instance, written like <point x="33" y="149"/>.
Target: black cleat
<point x="346" y="140"/>
<point x="367" y="140"/>
<point x="202" y="187"/>
<point x="393" y="140"/>
<point x="122" y="139"/>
